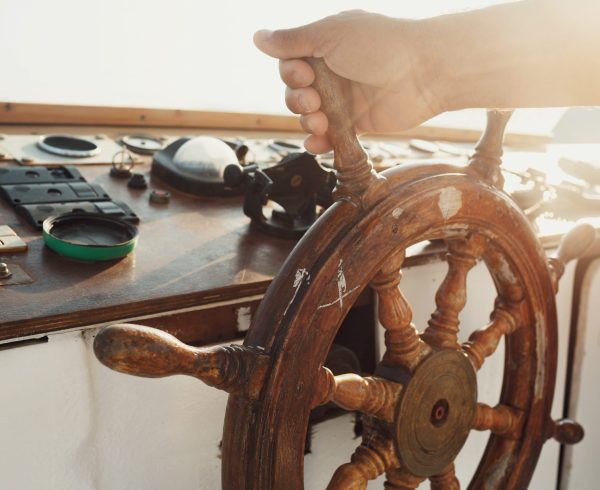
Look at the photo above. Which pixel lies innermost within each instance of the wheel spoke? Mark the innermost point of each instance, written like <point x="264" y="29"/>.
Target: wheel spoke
<point x="152" y="353"/>
<point x="484" y="342"/>
<point x="372" y="458"/>
<point x="369" y="395"/>
<point x="502" y="420"/>
<point x="451" y="296"/>
<point x="505" y="277"/>
<point x="404" y="347"/>
<point x="399" y="479"/>
<point x="446" y="480"/>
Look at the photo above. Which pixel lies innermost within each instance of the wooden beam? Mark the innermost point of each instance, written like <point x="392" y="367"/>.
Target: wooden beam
<point x="27" y="114"/>
<point x="77" y="115"/>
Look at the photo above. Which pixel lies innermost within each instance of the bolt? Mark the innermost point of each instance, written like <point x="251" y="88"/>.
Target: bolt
<point x="439" y="412"/>
<point x="5" y="273"/>
<point x="137" y="181"/>
<point x="160" y="197"/>
<point x="296" y="180"/>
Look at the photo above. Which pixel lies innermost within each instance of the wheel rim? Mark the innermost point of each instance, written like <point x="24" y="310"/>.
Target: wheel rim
<point x="275" y="438"/>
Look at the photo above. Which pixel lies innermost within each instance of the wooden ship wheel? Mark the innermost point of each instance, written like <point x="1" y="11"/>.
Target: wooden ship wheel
<point x="421" y="403"/>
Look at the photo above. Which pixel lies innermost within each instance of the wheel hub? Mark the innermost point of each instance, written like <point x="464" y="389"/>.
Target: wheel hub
<point x="435" y="412"/>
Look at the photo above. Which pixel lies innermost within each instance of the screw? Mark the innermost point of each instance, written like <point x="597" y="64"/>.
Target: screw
<point x="137" y="181"/>
<point x="5" y="273"/>
<point x="296" y="180"/>
<point x="160" y="197"/>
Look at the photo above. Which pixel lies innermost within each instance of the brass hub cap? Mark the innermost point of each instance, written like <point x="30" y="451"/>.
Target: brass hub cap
<point x="435" y="412"/>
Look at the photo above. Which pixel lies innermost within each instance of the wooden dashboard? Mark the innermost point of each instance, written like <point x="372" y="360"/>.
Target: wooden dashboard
<point x="196" y="257"/>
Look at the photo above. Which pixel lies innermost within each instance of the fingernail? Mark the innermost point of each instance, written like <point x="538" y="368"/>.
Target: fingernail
<point x="264" y="35"/>
<point x="306" y="124"/>
<point x="303" y="105"/>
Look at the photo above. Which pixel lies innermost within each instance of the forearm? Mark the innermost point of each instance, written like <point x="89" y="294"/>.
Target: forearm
<point x="525" y="54"/>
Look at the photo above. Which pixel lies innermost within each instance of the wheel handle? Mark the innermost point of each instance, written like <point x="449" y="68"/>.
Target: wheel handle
<point x="355" y="174"/>
<point x="152" y="353"/>
<point x="487" y="158"/>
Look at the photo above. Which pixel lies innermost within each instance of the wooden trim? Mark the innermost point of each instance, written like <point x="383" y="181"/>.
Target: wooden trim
<point x="132" y="311"/>
<point x="51" y="114"/>
<point x="18" y="113"/>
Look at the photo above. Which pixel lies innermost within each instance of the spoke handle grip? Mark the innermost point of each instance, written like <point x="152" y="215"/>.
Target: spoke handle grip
<point x="575" y="243"/>
<point x="147" y="352"/>
<point x="354" y="170"/>
<point x="152" y="353"/>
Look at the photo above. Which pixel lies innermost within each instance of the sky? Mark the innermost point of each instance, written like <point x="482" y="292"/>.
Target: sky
<point x="188" y="54"/>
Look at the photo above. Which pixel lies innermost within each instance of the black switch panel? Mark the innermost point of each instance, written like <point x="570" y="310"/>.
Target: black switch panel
<point x="35" y="214"/>
<point x="52" y="193"/>
<point x="39" y="175"/>
<point x="37" y="193"/>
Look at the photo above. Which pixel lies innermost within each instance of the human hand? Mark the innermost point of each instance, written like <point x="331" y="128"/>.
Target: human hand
<point x="377" y="54"/>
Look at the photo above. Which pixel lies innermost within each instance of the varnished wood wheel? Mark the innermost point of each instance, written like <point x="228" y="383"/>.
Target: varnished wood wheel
<point x="421" y="403"/>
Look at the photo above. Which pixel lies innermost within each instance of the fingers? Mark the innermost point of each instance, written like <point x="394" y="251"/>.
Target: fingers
<point x="315" y="123"/>
<point x="292" y="43"/>
<point x="302" y="100"/>
<point x="296" y="73"/>
<point x="317" y="144"/>
<point x="312" y="121"/>
<point x="300" y="97"/>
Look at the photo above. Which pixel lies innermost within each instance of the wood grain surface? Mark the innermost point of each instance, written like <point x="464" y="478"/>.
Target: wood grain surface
<point x="191" y="252"/>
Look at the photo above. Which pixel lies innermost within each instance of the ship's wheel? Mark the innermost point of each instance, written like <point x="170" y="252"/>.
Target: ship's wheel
<point x="421" y="403"/>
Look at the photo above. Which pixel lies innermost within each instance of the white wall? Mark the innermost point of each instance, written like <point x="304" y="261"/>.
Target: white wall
<point x="184" y="54"/>
<point x="583" y="459"/>
<point x="67" y="422"/>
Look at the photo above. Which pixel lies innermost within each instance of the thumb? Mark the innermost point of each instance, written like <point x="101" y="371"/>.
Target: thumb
<point x="298" y="42"/>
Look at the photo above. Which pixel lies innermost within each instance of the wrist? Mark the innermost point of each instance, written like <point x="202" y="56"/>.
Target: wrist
<point x="471" y="59"/>
<point x="424" y="68"/>
<point x="427" y="54"/>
